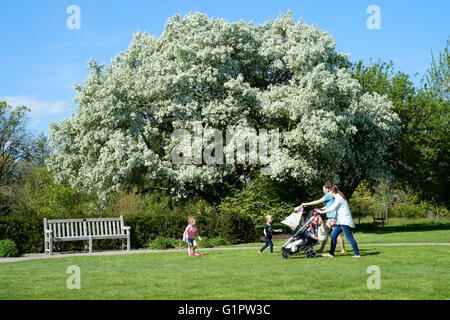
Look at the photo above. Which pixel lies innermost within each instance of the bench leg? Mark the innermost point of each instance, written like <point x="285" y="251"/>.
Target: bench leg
<point x="123" y="244"/>
<point x="50" y="244"/>
<point x="85" y="246"/>
<point x="90" y="245"/>
<point x="45" y="245"/>
<point x="128" y="241"/>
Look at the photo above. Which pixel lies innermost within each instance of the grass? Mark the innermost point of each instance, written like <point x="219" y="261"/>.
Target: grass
<point x="407" y="272"/>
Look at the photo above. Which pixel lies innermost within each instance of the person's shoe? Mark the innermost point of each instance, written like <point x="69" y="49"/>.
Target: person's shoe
<point x="327" y="255"/>
<point x="259" y="251"/>
<point x="199" y="254"/>
<point x="192" y="254"/>
<point x="343" y="251"/>
<point x="356" y="256"/>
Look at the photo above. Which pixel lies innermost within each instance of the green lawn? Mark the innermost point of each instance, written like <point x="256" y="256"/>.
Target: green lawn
<point x="407" y="272"/>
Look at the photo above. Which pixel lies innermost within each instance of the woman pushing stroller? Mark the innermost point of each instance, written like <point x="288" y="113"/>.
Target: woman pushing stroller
<point x="328" y="200"/>
<point x="344" y="221"/>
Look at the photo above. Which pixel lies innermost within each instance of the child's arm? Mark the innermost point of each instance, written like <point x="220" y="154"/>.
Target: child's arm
<point x="184" y="233"/>
<point x="199" y="238"/>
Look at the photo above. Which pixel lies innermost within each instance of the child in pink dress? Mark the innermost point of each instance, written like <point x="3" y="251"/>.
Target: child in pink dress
<point x="189" y="236"/>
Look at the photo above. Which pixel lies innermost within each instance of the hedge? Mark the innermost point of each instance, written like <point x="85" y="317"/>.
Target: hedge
<point x="28" y="232"/>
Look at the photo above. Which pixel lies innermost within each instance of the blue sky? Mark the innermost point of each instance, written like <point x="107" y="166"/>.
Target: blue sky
<point x="40" y="58"/>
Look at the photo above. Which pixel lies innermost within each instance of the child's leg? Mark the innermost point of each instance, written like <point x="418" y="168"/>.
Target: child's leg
<point x="194" y="246"/>
<point x="310" y="235"/>
<point x="271" y="245"/>
<point x="341" y="243"/>
<point x="265" y="245"/>
<point x="322" y="246"/>
<point x="190" y="246"/>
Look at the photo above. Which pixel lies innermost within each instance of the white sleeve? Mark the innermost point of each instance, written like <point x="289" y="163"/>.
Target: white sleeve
<point x="337" y="202"/>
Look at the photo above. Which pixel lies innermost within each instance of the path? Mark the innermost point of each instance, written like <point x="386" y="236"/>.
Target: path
<point x="35" y="256"/>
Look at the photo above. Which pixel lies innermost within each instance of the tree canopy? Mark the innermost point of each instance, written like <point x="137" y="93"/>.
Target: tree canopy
<point x="282" y="75"/>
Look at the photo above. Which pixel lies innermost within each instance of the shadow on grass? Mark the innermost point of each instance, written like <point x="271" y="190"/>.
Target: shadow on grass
<point x="410" y="227"/>
<point x="363" y="252"/>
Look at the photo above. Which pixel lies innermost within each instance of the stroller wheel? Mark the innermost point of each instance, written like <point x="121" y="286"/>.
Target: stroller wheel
<point x="310" y="253"/>
<point x="284" y="253"/>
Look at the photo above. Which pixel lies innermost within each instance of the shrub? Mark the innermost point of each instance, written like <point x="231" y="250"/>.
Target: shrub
<point x="8" y="249"/>
<point x="255" y="202"/>
<point x="206" y="243"/>
<point x="26" y="232"/>
<point x="162" y="243"/>
<point x="237" y="227"/>
<point x="218" y="242"/>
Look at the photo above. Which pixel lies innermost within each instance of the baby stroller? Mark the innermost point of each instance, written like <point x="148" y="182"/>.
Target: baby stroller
<point x="299" y="241"/>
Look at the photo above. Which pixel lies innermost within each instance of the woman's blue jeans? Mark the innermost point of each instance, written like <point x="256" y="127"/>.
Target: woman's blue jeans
<point x="267" y="244"/>
<point x="348" y="234"/>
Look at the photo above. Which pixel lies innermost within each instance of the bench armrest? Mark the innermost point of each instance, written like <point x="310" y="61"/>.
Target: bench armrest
<point x="49" y="231"/>
<point x="127" y="228"/>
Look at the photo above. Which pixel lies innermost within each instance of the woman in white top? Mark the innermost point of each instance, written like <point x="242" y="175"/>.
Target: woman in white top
<point x="344" y="221"/>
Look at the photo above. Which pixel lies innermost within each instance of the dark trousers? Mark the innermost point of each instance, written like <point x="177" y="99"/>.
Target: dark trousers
<point x="267" y="244"/>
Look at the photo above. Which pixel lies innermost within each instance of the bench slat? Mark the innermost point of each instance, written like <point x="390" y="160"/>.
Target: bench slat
<point x="120" y="236"/>
<point x="81" y="220"/>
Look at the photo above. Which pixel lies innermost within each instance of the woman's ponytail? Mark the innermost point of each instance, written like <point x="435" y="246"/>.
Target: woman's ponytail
<point x="335" y="190"/>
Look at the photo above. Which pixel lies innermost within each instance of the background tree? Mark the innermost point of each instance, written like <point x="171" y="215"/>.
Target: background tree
<point x="15" y="141"/>
<point x="40" y="150"/>
<point x="282" y="75"/>
<point x="437" y="78"/>
<point x="419" y="158"/>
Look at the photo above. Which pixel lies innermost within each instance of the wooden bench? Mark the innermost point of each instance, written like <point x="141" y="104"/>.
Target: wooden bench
<point x="378" y="220"/>
<point x="85" y="230"/>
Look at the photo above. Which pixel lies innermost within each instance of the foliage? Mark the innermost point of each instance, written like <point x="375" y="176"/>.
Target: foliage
<point x="212" y="242"/>
<point x="26" y="232"/>
<point x="162" y="243"/>
<point x="40" y="151"/>
<point x="45" y="198"/>
<point x="363" y="202"/>
<point x="419" y="158"/>
<point x="8" y="249"/>
<point x="430" y="138"/>
<point x="437" y="78"/>
<point x="15" y="141"/>
<point x="281" y="75"/>
<point x="257" y="201"/>
<point x="236" y="226"/>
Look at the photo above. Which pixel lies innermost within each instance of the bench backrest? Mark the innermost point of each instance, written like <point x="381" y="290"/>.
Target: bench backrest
<point x="72" y="228"/>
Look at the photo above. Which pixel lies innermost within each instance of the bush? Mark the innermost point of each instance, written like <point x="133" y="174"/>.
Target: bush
<point x="162" y="243"/>
<point x="408" y="210"/>
<point x="212" y="242"/>
<point x="8" y="249"/>
<point x="257" y="201"/>
<point x="237" y="227"/>
<point x="218" y="242"/>
<point x="26" y="232"/>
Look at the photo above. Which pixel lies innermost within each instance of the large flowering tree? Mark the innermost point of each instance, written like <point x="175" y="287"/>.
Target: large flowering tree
<point x="281" y="75"/>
